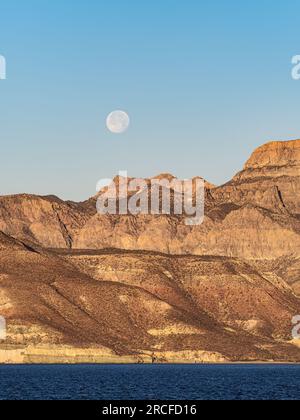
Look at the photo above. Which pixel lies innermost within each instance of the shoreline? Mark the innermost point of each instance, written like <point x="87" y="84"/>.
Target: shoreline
<point x="93" y="357"/>
<point x="154" y="364"/>
<point x="51" y="354"/>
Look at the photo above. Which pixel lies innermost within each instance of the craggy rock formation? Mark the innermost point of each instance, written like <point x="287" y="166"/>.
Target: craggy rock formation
<point x="224" y="290"/>
<point x="254" y="216"/>
<point x="47" y="221"/>
<point x="270" y="179"/>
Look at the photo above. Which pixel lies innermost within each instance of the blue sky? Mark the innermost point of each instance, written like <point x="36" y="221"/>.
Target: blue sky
<point x="204" y="82"/>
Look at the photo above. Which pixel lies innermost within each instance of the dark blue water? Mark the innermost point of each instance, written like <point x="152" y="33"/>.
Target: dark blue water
<point x="157" y="382"/>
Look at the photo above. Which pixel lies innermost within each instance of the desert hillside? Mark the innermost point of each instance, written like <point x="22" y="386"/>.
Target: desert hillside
<point x="77" y="286"/>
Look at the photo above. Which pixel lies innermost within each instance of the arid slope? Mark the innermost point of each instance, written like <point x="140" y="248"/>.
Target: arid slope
<point x="77" y="286"/>
<point x="143" y="305"/>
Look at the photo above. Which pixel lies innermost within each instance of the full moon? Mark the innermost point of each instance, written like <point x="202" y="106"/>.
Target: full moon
<point x="118" y="122"/>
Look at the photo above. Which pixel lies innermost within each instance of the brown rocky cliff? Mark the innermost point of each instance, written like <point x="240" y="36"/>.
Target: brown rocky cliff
<point x="270" y="179"/>
<point x="254" y="216"/>
<point x="277" y="154"/>
<point x="46" y="221"/>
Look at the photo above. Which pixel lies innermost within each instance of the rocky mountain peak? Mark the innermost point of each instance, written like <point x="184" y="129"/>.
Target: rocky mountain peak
<point x="275" y="154"/>
<point x="167" y="176"/>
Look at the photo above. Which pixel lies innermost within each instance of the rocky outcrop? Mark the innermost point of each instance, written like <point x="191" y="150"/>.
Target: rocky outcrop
<point x="9" y="243"/>
<point x="282" y="155"/>
<point x="46" y="221"/>
<point x="270" y="179"/>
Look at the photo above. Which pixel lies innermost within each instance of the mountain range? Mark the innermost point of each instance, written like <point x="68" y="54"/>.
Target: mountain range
<point x="76" y="286"/>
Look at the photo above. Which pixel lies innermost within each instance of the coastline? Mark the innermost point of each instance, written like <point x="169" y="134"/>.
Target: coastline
<point x="62" y="355"/>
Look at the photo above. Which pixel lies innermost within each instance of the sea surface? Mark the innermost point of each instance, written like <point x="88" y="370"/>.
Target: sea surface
<point x="150" y="382"/>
